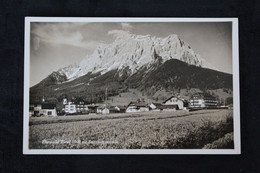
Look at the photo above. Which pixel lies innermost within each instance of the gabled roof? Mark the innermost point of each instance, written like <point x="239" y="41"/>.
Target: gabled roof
<point x="138" y="104"/>
<point x="121" y="107"/>
<point x="172" y="97"/>
<point x="157" y="104"/>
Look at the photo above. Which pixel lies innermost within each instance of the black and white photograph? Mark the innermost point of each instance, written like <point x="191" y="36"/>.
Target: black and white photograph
<point x="131" y="86"/>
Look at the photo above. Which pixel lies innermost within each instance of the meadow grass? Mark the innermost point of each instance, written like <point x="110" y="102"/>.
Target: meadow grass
<point x="150" y="130"/>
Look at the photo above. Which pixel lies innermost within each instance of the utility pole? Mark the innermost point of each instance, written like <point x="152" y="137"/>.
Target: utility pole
<point x="106" y="99"/>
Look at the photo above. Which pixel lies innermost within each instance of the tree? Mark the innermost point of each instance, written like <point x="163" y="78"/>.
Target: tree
<point x="229" y="100"/>
<point x="222" y="101"/>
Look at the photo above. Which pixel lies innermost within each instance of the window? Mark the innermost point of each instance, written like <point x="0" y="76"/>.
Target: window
<point x="49" y="112"/>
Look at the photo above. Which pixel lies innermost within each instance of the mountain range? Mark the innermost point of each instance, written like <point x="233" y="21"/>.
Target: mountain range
<point x="133" y="61"/>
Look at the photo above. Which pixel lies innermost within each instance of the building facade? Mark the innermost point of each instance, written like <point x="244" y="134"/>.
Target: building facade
<point x="175" y="100"/>
<point x="203" y="100"/>
<point x="137" y="107"/>
<point x="48" y="109"/>
<point x="76" y="108"/>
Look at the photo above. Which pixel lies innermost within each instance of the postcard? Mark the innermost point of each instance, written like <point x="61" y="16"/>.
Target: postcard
<point x="131" y="86"/>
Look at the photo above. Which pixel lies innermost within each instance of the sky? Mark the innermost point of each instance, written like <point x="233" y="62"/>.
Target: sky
<point x="57" y="45"/>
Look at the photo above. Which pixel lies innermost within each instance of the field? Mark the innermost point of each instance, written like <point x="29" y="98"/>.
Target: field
<point x="149" y="130"/>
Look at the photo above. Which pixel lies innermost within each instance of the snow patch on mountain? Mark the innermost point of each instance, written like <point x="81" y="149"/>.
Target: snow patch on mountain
<point x="132" y="52"/>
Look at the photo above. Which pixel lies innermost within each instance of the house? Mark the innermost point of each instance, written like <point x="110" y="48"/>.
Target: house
<point x="114" y="109"/>
<point x="76" y="107"/>
<point x="117" y="109"/>
<point x="105" y="110"/>
<point x="34" y="109"/>
<point x="99" y="110"/>
<point x="48" y="109"/>
<point x="102" y="110"/>
<point x="203" y="100"/>
<point x="156" y="106"/>
<point x="121" y="109"/>
<point x="81" y="107"/>
<point x="65" y="101"/>
<point x="137" y="107"/>
<point x="174" y="100"/>
<point x="93" y="108"/>
<point x="70" y="108"/>
<point x="170" y="108"/>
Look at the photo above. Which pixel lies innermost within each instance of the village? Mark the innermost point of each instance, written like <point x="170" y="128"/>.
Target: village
<point x="174" y="103"/>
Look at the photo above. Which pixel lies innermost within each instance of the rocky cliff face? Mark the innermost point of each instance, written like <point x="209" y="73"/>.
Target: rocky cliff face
<point x="129" y="53"/>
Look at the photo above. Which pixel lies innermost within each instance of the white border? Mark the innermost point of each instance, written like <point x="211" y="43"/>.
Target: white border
<point x="235" y="62"/>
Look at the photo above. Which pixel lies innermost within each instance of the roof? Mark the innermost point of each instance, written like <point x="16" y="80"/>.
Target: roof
<point x="121" y="107"/>
<point x="138" y="104"/>
<point x="172" y="97"/>
<point x="112" y="108"/>
<point x="48" y="106"/>
<point x="203" y="95"/>
<point x="158" y="105"/>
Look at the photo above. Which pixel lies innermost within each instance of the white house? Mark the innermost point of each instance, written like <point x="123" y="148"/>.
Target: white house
<point x="203" y="100"/>
<point x="70" y="108"/>
<point x="137" y="107"/>
<point x="102" y="110"/>
<point x="105" y="111"/>
<point x="174" y="100"/>
<point x="73" y="108"/>
<point x="48" y="109"/>
<point x="65" y="101"/>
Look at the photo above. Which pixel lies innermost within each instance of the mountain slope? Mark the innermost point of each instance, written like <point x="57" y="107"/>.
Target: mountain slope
<point x="171" y="75"/>
<point x="175" y="74"/>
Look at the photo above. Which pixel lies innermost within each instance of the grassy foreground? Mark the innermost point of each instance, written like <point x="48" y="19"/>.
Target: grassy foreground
<point x="151" y="130"/>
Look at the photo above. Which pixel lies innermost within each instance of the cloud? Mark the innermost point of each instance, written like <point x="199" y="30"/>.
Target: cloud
<point x="126" y="26"/>
<point x="61" y="33"/>
<point x="119" y="33"/>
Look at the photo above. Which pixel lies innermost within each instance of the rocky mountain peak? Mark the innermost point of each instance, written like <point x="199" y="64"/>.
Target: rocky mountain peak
<point x="133" y="52"/>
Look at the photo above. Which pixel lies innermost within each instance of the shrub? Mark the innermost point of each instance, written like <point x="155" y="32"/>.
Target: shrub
<point x="222" y="143"/>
